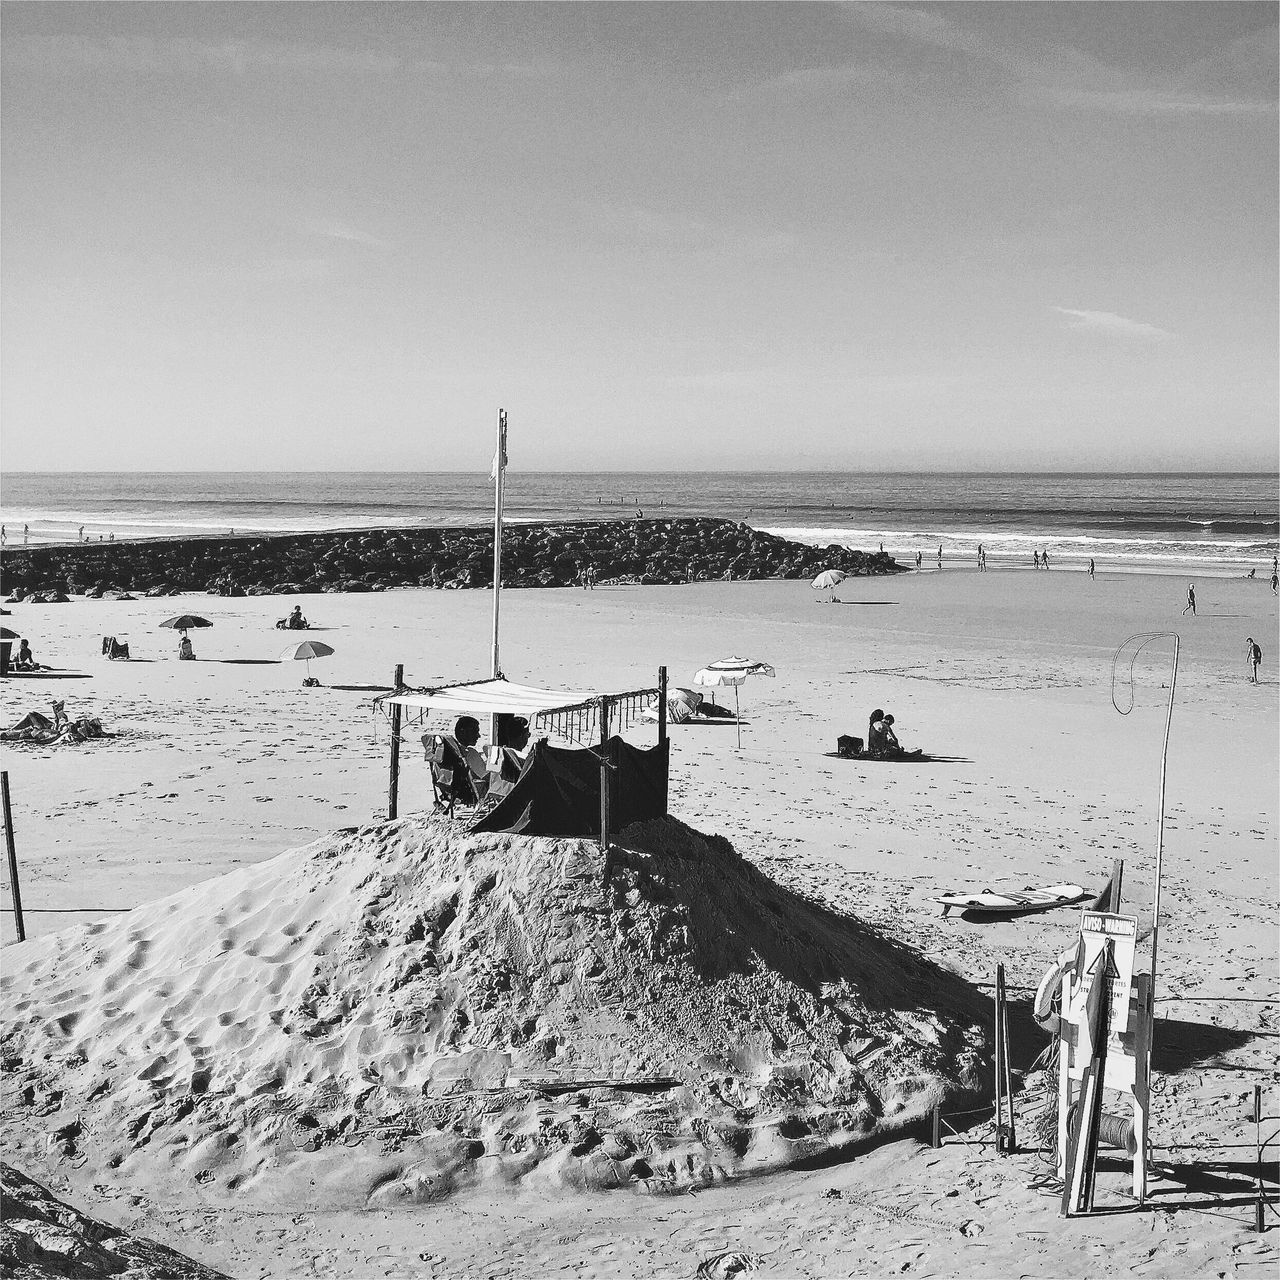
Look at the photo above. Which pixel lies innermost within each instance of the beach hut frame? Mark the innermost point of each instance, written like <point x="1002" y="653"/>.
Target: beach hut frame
<point x="586" y="721"/>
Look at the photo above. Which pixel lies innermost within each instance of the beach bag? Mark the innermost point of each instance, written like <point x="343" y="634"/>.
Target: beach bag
<point x="847" y="745"/>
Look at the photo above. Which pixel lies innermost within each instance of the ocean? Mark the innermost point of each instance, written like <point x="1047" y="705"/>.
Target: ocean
<point x="1207" y="523"/>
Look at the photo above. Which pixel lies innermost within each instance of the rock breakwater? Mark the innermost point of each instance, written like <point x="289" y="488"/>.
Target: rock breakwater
<point x="534" y="555"/>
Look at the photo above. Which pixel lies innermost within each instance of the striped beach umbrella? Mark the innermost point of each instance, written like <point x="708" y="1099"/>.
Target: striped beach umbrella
<point x="732" y="672"/>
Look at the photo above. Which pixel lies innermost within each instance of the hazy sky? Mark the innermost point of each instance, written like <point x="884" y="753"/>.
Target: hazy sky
<point x="342" y="235"/>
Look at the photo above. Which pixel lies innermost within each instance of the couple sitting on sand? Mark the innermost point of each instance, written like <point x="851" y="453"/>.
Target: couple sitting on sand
<point x="462" y="773"/>
<point x="294" y="622"/>
<point x="882" y="742"/>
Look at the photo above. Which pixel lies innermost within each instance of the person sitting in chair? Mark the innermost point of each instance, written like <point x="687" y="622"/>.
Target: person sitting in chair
<point x="507" y="760"/>
<point x="295" y="621"/>
<point x="24" y="660"/>
<point x="185" y="651"/>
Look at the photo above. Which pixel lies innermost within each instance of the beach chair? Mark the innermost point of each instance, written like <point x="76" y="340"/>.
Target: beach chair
<point x="451" y="781"/>
<point x="113" y="648"/>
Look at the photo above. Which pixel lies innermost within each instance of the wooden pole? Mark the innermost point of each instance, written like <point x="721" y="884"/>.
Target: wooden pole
<point x="999" y="1065"/>
<point x="604" y="773"/>
<point x="393" y="789"/>
<point x="1011" y="1142"/>
<point x="662" y="705"/>
<point x="13" y="857"/>
<point x="1260" y="1201"/>
<point x="499" y="470"/>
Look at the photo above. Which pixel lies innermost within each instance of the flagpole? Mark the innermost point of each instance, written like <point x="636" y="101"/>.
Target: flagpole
<point x="499" y="467"/>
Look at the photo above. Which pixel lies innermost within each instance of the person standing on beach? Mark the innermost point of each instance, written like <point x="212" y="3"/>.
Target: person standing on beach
<point x="4" y="537"/>
<point x="1044" y="559"/>
<point x="1252" y="658"/>
<point x="939" y="555"/>
<point x="1191" y="600"/>
<point x="919" y="558"/>
<point x="26" y="533"/>
<point x="1035" y="558"/>
<point x="1275" y="583"/>
<point x="80" y="535"/>
<point x="1091" y="567"/>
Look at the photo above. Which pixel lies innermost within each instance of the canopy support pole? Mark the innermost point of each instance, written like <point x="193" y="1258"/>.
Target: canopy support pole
<point x="662" y="705"/>
<point x="15" y="894"/>
<point x="737" y="715"/>
<point x="499" y="469"/>
<point x="604" y="774"/>
<point x="393" y="786"/>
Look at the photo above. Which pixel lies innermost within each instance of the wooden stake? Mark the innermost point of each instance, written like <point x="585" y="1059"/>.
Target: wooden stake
<point x="1259" y="1204"/>
<point x="604" y="773"/>
<point x="393" y="788"/>
<point x="1011" y="1138"/>
<point x="1001" y="1144"/>
<point x="1082" y="1156"/>
<point x="15" y="892"/>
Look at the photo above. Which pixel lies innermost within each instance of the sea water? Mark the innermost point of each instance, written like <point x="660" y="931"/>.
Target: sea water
<point x="1207" y="523"/>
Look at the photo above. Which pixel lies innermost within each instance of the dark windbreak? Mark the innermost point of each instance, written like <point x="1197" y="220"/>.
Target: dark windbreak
<point x="558" y="793"/>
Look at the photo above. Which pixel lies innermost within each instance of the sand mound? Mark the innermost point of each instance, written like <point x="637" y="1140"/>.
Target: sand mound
<point x="395" y="1013"/>
<point x="41" y="1237"/>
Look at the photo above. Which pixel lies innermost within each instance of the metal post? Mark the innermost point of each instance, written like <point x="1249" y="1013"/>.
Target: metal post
<point x="604" y="773"/>
<point x="393" y="790"/>
<point x="935" y="1135"/>
<point x="13" y="857"/>
<point x="662" y="705"/>
<point x="737" y="715"/>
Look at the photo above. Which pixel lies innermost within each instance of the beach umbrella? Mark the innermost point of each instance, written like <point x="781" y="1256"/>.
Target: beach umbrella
<point x="682" y="705"/>
<point x="829" y="580"/>
<point x="732" y="672"/>
<point x="305" y="651"/>
<point x="185" y="622"/>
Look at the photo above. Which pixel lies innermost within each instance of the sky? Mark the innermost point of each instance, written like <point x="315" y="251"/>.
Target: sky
<point x="728" y="236"/>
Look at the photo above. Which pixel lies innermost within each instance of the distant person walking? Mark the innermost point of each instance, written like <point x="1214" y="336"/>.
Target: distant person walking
<point x="920" y="560"/>
<point x="1252" y="658"/>
<point x="26" y="533"/>
<point x="4" y="537"/>
<point x="1044" y="559"/>
<point x="1091" y="567"/>
<point x="1035" y="558"/>
<point x="939" y="555"/>
<point x="1275" y="583"/>
<point x="1191" y="600"/>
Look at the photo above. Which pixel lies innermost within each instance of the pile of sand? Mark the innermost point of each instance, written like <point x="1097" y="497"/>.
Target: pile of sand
<point x="395" y="1013"/>
<point x="41" y="1237"/>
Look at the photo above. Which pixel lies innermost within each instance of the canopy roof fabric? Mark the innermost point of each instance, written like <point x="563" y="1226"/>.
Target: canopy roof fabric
<point x="572" y="716"/>
<point x="488" y="697"/>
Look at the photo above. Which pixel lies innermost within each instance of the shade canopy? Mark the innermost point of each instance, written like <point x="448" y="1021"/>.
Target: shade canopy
<point x="488" y="697"/>
<point x="7" y="634"/>
<point x="306" y="650"/>
<point x="829" y="578"/>
<point x="565" y="713"/>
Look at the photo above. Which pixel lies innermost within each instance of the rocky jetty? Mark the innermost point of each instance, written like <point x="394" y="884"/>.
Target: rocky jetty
<point x="533" y="555"/>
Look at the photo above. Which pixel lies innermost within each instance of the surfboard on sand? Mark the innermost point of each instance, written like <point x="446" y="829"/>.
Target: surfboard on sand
<point x="1016" y="903"/>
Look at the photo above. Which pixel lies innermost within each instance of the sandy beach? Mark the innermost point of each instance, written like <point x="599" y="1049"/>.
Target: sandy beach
<point x="228" y="761"/>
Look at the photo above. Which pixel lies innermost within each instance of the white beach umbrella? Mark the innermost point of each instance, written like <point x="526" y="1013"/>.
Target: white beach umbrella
<point x="732" y="672"/>
<point x="829" y="580"/>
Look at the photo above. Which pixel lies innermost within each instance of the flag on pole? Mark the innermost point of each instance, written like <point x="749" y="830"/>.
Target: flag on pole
<point x="500" y="453"/>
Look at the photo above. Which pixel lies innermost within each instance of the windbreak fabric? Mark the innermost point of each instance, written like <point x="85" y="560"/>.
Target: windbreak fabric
<point x="558" y="793"/>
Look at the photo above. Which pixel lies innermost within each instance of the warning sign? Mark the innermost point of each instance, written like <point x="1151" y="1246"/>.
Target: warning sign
<point x="1113" y="967"/>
